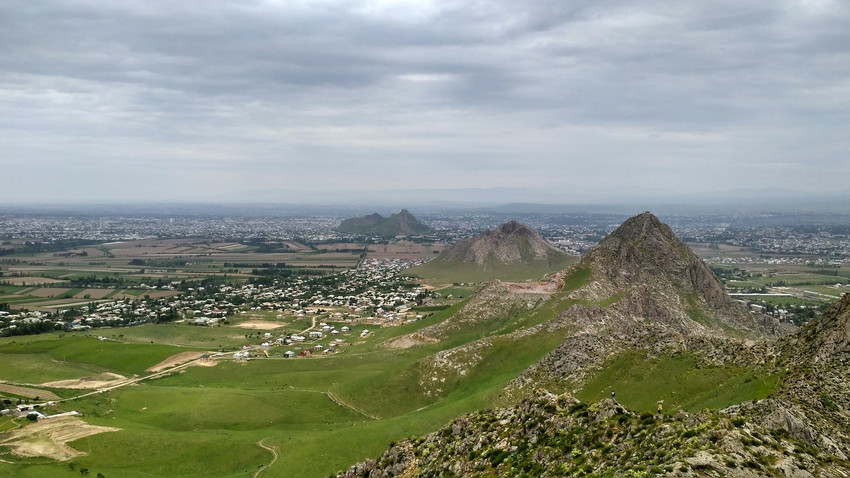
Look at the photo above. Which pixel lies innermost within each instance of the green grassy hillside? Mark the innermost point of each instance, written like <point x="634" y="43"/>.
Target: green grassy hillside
<point x="681" y="381"/>
<point x="455" y="271"/>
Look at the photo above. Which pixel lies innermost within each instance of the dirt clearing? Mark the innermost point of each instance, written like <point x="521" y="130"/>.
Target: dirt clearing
<point x="49" y="437"/>
<point x="28" y="392"/>
<point x="180" y="359"/>
<point x="94" y="293"/>
<point x="410" y="340"/>
<point x="49" y="292"/>
<point x="261" y="324"/>
<point x="85" y="383"/>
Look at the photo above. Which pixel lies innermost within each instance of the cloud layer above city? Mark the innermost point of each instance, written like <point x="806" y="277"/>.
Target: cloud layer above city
<point x="295" y="101"/>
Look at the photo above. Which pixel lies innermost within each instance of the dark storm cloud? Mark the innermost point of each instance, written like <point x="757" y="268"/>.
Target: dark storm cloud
<point x="268" y="93"/>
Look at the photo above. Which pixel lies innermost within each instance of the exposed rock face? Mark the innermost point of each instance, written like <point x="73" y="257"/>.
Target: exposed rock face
<point x="555" y="435"/>
<point x="665" y="281"/>
<point x="643" y="249"/>
<point x="826" y="339"/>
<point x="401" y="224"/>
<point x="510" y="243"/>
<point x="814" y="401"/>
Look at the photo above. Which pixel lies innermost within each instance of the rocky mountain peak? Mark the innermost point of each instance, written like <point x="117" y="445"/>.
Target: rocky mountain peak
<point x="645" y="250"/>
<point x="514" y="227"/>
<point x="510" y="243"/>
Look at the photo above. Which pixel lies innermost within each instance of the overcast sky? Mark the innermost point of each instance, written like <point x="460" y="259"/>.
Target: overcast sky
<point x="535" y="100"/>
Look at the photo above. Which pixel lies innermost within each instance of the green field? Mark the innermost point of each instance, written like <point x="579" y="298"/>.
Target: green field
<point x="681" y="381"/>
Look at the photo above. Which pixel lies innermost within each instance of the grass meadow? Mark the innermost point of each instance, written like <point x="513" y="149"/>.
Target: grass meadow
<point x="681" y="381"/>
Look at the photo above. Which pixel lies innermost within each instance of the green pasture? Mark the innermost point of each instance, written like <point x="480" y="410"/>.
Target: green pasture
<point x="208" y="421"/>
<point x="459" y="291"/>
<point x="36" y="368"/>
<point x="88" y="351"/>
<point x="181" y="335"/>
<point x="681" y="381"/>
<point x="6" y="290"/>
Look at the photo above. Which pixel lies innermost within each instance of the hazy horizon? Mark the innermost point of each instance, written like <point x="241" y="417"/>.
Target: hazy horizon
<point x="340" y="101"/>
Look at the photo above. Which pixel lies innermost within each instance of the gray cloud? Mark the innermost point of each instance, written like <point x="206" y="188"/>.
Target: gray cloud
<point x="209" y="101"/>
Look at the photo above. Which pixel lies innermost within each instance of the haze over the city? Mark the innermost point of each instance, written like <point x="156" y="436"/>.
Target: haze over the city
<point x="323" y="101"/>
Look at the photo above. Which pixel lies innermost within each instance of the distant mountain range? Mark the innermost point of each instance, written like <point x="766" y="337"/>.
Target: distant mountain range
<point x="400" y="224"/>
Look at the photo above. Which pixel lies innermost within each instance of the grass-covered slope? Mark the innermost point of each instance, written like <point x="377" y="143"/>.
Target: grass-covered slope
<point x="319" y="414"/>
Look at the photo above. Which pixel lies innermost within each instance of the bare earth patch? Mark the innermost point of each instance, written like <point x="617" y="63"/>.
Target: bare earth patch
<point x="410" y="340"/>
<point x="94" y="382"/>
<point x="95" y="293"/>
<point x="28" y="392"/>
<point x="535" y="287"/>
<point x="49" y="437"/>
<point x="261" y="324"/>
<point x="180" y="359"/>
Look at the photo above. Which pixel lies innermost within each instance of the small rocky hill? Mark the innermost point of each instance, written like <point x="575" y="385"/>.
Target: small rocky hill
<point x="512" y="251"/>
<point x="400" y="224"/>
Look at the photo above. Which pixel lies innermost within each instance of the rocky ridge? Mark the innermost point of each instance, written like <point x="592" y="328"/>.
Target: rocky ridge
<point x="813" y="403"/>
<point x="400" y="224"/>
<point x="556" y="435"/>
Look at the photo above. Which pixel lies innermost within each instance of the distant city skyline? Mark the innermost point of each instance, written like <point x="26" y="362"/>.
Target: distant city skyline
<point x="391" y="101"/>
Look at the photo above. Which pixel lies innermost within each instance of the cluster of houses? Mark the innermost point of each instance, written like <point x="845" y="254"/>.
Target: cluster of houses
<point x="375" y="292"/>
<point x="306" y="350"/>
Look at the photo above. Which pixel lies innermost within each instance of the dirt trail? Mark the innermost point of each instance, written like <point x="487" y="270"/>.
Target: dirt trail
<point x="345" y="404"/>
<point x="311" y="327"/>
<point x="275" y="456"/>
